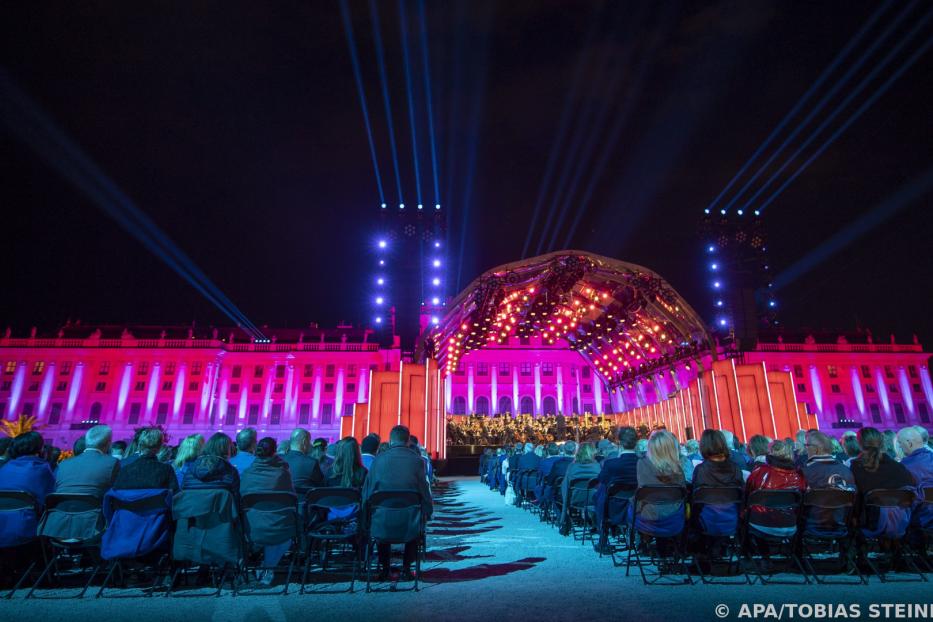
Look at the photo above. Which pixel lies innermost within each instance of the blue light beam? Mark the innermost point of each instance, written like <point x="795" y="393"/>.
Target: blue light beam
<point x="384" y="83"/>
<point x="426" y="68"/>
<point x="403" y="24"/>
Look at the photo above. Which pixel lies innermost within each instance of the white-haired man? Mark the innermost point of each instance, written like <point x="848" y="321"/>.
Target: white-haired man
<point x="94" y="470"/>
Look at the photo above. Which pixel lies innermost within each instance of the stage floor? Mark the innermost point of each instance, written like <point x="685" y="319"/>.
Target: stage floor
<point x="486" y="561"/>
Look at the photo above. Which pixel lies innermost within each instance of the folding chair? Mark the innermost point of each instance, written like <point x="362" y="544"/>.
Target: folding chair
<point x="271" y="519"/>
<point x="208" y="534"/>
<point x="71" y="528"/>
<point x="716" y="511"/>
<point x="332" y="518"/>
<point x="555" y="503"/>
<point x="19" y="516"/>
<point x="761" y="538"/>
<point x="394" y="517"/>
<point x="139" y="531"/>
<point x="825" y="519"/>
<point x="612" y="517"/>
<point x="580" y="505"/>
<point x="658" y="519"/>
<point x="922" y="522"/>
<point x="884" y="520"/>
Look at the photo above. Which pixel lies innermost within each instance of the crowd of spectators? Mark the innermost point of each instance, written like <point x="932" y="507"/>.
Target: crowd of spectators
<point x="243" y="465"/>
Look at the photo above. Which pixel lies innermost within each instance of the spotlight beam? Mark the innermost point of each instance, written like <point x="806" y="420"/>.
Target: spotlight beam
<point x="856" y="38"/>
<point x="905" y="197"/>
<point x="855" y="115"/>
<point x="354" y="57"/>
<point x="563" y="126"/>
<point x="426" y="68"/>
<point x="402" y="19"/>
<point x="384" y="83"/>
<point x="819" y="106"/>
<point x="26" y="120"/>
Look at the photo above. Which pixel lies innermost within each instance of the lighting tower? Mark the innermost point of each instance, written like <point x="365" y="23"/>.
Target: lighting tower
<point x="735" y="254"/>
<point x="411" y="271"/>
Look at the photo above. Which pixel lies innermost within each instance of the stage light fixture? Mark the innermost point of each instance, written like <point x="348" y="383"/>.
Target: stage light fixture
<point x="380" y="281"/>
<point x="437" y="245"/>
<point x="435" y="301"/>
<point x="420" y="206"/>
<point x="714" y="266"/>
<point x="436" y="281"/>
<point x="382" y="262"/>
<point x="382" y="243"/>
<point x="379" y="300"/>
<point x="757" y="212"/>
<point x="384" y="206"/>
<point x="437" y="263"/>
<point x="401" y="206"/>
<point x="437" y="206"/>
<point x="741" y="212"/>
<point x="717" y="284"/>
<point x="710" y="248"/>
<point x="378" y="320"/>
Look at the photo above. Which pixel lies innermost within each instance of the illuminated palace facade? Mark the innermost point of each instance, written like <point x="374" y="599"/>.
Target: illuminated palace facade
<point x="190" y="382"/>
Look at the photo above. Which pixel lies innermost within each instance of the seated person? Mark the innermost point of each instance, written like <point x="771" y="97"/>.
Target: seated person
<point x="583" y="467"/>
<point x="919" y="461"/>
<point x="758" y="450"/>
<point x="26" y="470"/>
<point x="188" y="452"/>
<point x="212" y="469"/>
<point x="779" y="472"/>
<point x="558" y="470"/>
<point x="267" y="472"/>
<point x="660" y="466"/>
<point x="875" y="469"/>
<point x="306" y="470"/>
<point x="348" y="470"/>
<point x="246" y="448"/>
<point x="821" y="469"/>
<point x="118" y="449"/>
<point x="145" y="471"/>
<point x="851" y="448"/>
<point x="369" y="447"/>
<point x="717" y="468"/>
<point x="94" y="471"/>
<point x="621" y="469"/>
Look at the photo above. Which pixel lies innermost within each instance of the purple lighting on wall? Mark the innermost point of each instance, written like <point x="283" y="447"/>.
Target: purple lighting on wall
<point x="153" y="389"/>
<point x="46" y="392"/>
<point x="17" y="391"/>
<point x="124" y="391"/>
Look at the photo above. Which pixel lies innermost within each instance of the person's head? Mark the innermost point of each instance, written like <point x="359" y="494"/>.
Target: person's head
<point x="729" y="438"/>
<point x="818" y="444"/>
<point x="628" y="438"/>
<point x="924" y="434"/>
<point x="399" y="435"/>
<point x="370" y="444"/>
<point x="782" y="450"/>
<point x="149" y="441"/>
<point x="553" y="449"/>
<point x="99" y="437"/>
<point x="663" y="452"/>
<point x="909" y="440"/>
<point x="52" y="454"/>
<point x="692" y="446"/>
<point x="413" y="441"/>
<point x="801" y="438"/>
<point x="219" y="445"/>
<point x="27" y="444"/>
<point x="642" y="445"/>
<point x="586" y="453"/>
<point x="266" y="447"/>
<point x="118" y="449"/>
<point x="188" y="449"/>
<point x="850" y="446"/>
<point x="871" y="440"/>
<point x="529" y="448"/>
<point x="166" y="453"/>
<point x="348" y="463"/>
<point x="539" y="451"/>
<point x="890" y="446"/>
<point x="758" y="445"/>
<point x="713" y="445"/>
<point x="246" y="440"/>
<point x="300" y="440"/>
<point x="570" y="448"/>
<point x="79" y="445"/>
<point x="320" y="443"/>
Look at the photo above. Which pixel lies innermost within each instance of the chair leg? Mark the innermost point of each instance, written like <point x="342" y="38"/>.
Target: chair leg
<point x="113" y="566"/>
<point x="52" y="562"/>
<point x="369" y="548"/>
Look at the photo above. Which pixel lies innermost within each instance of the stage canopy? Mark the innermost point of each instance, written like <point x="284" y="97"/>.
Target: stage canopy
<point x="624" y="319"/>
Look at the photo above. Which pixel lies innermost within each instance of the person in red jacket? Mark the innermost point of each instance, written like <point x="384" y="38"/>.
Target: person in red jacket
<point x="778" y="472"/>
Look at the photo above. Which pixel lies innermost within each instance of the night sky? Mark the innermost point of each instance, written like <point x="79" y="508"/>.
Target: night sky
<point x="237" y="128"/>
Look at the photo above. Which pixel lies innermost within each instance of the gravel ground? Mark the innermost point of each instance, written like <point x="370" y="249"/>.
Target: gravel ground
<point x="491" y="561"/>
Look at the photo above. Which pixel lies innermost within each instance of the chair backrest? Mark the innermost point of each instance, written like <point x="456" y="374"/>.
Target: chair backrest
<point x="332" y="503"/>
<point x="270" y="518"/>
<point x="718" y="509"/>
<point x="772" y="513"/>
<point x="19" y="517"/>
<point x="827" y="512"/>
<point x="139" y="522"/>
<point x="890" y="498"/>
<point x="207" y="527"/>
<point x="72" y="517"/>
<point x="775" y="498"/>
<point x="582" y="490"/>
<point x="886" y="512"/>
<point x="394" y="516"/>
<point x="659" y="510"/>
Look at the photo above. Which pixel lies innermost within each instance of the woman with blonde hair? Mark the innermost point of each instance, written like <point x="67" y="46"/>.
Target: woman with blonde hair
<point x="188" y="451"/>
<point x="660" y="465"/>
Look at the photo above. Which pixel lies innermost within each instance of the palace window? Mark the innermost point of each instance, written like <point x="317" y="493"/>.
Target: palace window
<point x="104" y="368"/>
<point x="923" y="412"/>
<point x="482" y="369"/>
<point x="547" y="368"/>
<point x="167" y="385"/>
<point x="798" y="371"/>
<point x="275" y="417"/>
<point x="504" y="369"/>
<point x="912" y="371"/>
<point x="170" y="369"/>
<point x="835" y="388"/>
<point x="188" y="417"/>
<point x="257" y="388"/>
<point x="6" y="386"/>
<point x="196" y="368"/>
<point x="257" y="371"/>
<point x="193" y="386"/>
<point x="327" y="414"/>
<point x="65" y="369"/>
<point x="869" y="388"/>
<point x="586" y="372"/>
<point x="38" y="367"/>
<point x="309" y="369"/>
<point x="833" y="371"/>
<point x="61" y="386"/>
<point x="866" y="371"/>
<point x="9" y="367"/>
<point x="524" y="369"/>
<point x="348" y="410"/>
<point x="875" y="413"/>
<point x="279" y="371"/>
<point x="253" y="416"/>
<point x="801" y="387"/>
<point x="899" y="413"/>
<point x="101" y="386"/>
<point x="162" y="414"/>
<point x="143" y="369"/>
<point x="306" y="387"/>
<point x="304" y="414"/>
<point x="237" y="371"/>
<point x="351" y="387"/>
<point x="55" y="414"/>
<point x="135" y="410"/>
<point x="329" y="371"/>
<point x="888" y="371"/>
<point x="329" y="387"/>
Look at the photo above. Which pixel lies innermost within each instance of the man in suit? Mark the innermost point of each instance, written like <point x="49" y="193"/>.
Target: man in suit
<point x="558" y="470"/>
<point x="94" y="471"/>
<point x="146" y="471"/>
<point x="398" y="468"/>
<point x="306" y="471"/>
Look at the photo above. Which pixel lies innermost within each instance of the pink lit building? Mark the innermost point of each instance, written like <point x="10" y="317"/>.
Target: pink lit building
<point x="190" y="382"/>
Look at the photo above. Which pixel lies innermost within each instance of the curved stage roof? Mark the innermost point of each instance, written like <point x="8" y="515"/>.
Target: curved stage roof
<point x="623" y="318"/>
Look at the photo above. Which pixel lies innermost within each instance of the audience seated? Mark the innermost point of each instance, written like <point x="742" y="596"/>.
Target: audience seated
<point x="528" y="461"/>
<point x="187" y="453"/>
<point x="778" y="472"/>
<point x="757" y="450"/>
<point x="398" y="468"/>
<point x="145" y="470"/>
<point x="348" y="470"/>
<point x="875" y="469"/>
<point x="717" y="468"/>
<point x="118" y="449"/>
<point x="78" y="447"/>
<point x="621" y="469"/>
<point x="94" y="471"/>
<point x="821" y="469"/>
<point x="26" y="470"/>
<point x="246" y="447"/>
<point x="740" y="458"/>
<point x="212" y="469"/>
<point x="305" y="470"/>
<point x="851" y="448"/>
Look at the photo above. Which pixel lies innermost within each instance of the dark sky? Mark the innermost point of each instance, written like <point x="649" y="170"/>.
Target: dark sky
<point x="236" y="127"/>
